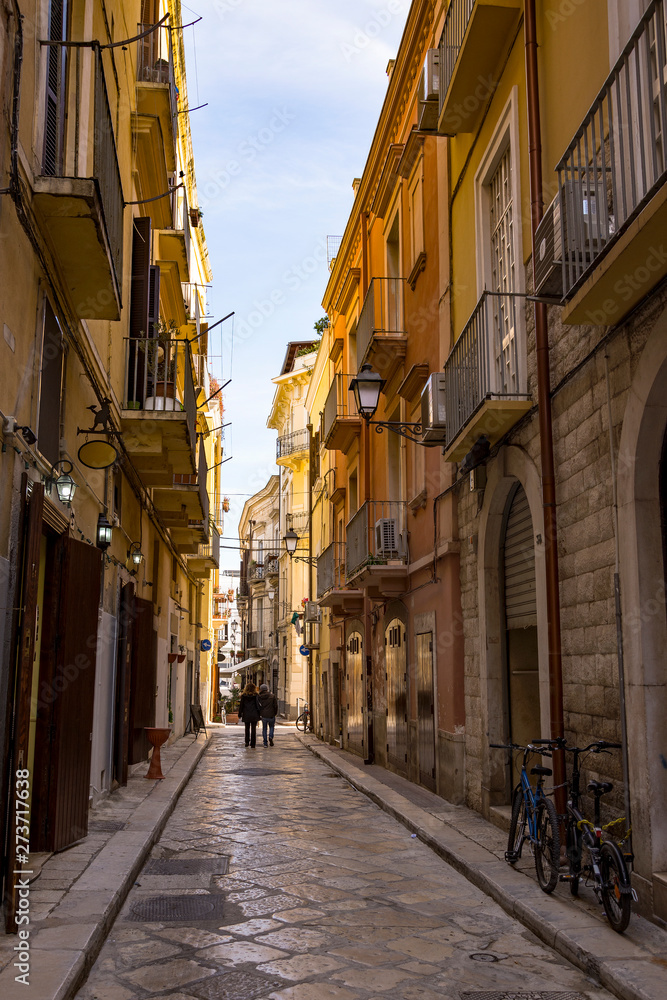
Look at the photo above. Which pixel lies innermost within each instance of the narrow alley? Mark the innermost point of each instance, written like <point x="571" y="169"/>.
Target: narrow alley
<point x="275" y="878"/>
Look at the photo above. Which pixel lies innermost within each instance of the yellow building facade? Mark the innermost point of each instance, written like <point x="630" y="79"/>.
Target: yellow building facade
<point x="104" y="381"/>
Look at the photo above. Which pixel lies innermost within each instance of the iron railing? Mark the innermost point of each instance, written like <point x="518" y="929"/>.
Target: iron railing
<point x="208" y="550"/>
<point x="107" y="172"/>
<point x="340" y="402"/>
<point x="618" y="158"/>
<point x="331" y="568"/>
<point x="381" y="314"/>
<point x="295" y="441"/>
<point x="376" y="535"/>
<point x="202" y="476"/>
<point x="451" y="40"/>
<point x="484" y="362"/>
<point x="299" y="522"/>
<point x="155" y="60"/>
<point x="158" y="377"/>
<point x="260" y="639"/>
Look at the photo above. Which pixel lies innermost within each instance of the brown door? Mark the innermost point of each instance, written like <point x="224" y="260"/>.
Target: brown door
<point x="425" y="709"/>
<point x="123" y="674"/>
<point x="397" y="700"/>
<point x="355" y="693"/>
<point x="67" y="672"/>
<point x="143" y="679"/>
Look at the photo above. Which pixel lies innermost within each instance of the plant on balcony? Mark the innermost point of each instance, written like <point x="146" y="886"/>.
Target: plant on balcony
<point x="225" y="504"/>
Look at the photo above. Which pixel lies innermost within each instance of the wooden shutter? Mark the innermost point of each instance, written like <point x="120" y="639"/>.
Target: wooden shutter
<point x="143" y="679"/>
<point x="48" y="427"/>
<point x="153" y="299"/>
<point x="520" y="595"/>
<point x="141" y="266"/>
<point x="54" y="113"/>
<point x="123" y="674"/>
<point x="77" y="576"/>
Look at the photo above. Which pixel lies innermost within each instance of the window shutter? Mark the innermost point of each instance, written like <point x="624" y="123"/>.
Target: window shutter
<point x="520" y="592"/>
<point x="141" y="266"/>
<point x="153" y="299"/>
<point x="54" y="120"/>
<point x="48" y="427"/>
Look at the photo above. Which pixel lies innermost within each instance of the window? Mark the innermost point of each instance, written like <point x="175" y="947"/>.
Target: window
<point x="502" y="272"/>
<point x="416" y="203"/>
<point x="54" y="116"/>
<point x="50" y="389"/>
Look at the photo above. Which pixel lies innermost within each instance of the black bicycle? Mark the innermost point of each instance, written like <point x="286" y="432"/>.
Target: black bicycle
<point x="601" y="863"/>
<point x="534" y="819"/>
<point x="303" y="720"/>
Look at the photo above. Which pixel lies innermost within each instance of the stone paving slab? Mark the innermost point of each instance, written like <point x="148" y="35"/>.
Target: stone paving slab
<point x="78" y="892"/>
<point x="633" y="966"/>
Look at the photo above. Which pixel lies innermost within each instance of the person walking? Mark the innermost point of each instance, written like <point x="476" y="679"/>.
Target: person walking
<point x="268" y="709"/>
<point x="249" y="712"/>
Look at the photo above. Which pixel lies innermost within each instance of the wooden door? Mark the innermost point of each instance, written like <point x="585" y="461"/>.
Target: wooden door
<point x="397" y="694"/>
<point x="68" y="673"/>
<point x="355" y="692"/>
<point x="425" y="710"/>
<point x="123" y="674"/>
<point x="143" y="679"/>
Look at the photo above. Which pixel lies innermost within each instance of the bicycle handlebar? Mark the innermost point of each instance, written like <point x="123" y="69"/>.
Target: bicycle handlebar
<point x="559" y="742"/>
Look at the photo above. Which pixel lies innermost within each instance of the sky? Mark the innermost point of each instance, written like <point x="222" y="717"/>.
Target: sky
<point x="293" y="92"/>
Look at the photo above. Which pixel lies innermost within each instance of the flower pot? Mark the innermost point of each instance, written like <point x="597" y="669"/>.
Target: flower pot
<point x="232" y="718"/>
<point x="156" y="737"/>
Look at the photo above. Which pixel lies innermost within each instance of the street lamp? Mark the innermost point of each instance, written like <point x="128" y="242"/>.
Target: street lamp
<point x="291" y="539"/>
<point x="104" y="532"/>
<point x="65" y="485"/>
<point x="135" y="554"/>
<point x="367" y="386"/>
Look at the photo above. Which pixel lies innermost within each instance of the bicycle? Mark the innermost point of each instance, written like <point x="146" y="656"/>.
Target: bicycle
<point x="302" y="720"/>
<point x="606" y="868"/>
<point x="533" y="818"/>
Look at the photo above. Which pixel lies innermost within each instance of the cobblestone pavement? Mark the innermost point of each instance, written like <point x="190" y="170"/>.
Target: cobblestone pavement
<point x="274" y="878"/>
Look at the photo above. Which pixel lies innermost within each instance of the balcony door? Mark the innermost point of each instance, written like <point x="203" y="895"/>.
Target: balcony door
<point x="503" y="274"/>
<point x="354" y="676"/>
<point x="425" y="709"/>
<point x="395" y="648"/>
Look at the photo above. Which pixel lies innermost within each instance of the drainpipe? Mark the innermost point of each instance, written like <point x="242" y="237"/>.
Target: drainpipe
<point x="545" y="416"/>
<point x="311" y="667"/>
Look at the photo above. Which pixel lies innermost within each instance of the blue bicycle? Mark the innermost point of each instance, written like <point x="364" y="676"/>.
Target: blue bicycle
<point x="534" y="818"/>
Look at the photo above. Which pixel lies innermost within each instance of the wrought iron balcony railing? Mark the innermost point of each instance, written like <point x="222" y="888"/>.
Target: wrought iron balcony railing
<point x="331" y="569"/>
<point x="618" y="158"/>
<point x="290" y="444"/>
<point x="483" y="363"/>
<point x="298" y="522"/>
<point x="155" y="60"/>
<point x="381" y="314"/>
<point x="376" y="535"/>
<point x="158" y="377"/>
<point x="340" y="402"/>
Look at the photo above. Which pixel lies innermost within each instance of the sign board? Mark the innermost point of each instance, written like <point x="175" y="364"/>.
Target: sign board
<point x="205" y="645"/>
<point x="197" y="719"/>
<point x="304" y="650"/>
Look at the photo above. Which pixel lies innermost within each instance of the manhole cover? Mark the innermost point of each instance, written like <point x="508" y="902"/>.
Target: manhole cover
<point x="259" y="772"/>
<point x="235" y="986"/>
<point x="533" y="995"/>
<point x="483" y="956"/>
<point x="187" y="866"/>
<point x="167" y="908"/>
<point x="106" y="825"/>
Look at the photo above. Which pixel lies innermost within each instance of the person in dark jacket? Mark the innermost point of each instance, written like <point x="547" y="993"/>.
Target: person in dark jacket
<point x="268" y="709"/>
<point x="249" y="712"/>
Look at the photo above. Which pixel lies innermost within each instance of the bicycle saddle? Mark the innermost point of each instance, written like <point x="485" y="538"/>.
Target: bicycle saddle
<point x="541" y="770"/>
<point x="600" y="787"/>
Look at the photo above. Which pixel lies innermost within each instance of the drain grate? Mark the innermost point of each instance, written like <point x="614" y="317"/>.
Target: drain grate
<point x="178" y="908"/>
<point x="258" y="772"/>
<point x="531" y="995"/>
<point x="106" y="825"/>
<point x="235" y="986"/>
<point x="483" y="956"/>
<point x="187" y="866"/>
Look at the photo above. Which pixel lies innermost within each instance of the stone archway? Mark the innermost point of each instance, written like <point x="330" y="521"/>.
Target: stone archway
<point x="512" y="466"/>
<point x="642" y="572"/>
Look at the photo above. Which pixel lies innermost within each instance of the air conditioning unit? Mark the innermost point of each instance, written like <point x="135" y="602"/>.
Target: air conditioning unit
<point x="387" y="538"/>
<point x="549" y="253"/>
<point x="429" y="93"/>
<point x="312" y="612"/>
<point x="434" y="417"/>
<point x="585" y="235"/>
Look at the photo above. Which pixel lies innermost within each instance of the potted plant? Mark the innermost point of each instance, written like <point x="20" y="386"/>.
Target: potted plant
<point x="231" y="704"/>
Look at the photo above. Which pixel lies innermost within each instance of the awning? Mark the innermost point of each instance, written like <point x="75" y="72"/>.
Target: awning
<point x="246" y="664"/>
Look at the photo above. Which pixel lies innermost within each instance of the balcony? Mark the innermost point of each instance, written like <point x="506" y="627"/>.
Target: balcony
<point x="260" y="639"/>
<point x="342" y="423"/>
<point x="298" y="521"/>
<point x="83" y="216"/>
<point x="156" y="90"/>
<point x="474" y="38"/>
<point x="171" y="251"/>
<point x="264" y="567"/>
<point x="381" y="334"/>
<point x="159" y="410"/>
<point x="483" y="378"/>
<point x="376" y="548"/>
<point x="206" y="558"/>
<point x="184" y="507"/>
<point x="612" y="183"/>
<point x="331" y="589"/>
<point x="293" y="447"/>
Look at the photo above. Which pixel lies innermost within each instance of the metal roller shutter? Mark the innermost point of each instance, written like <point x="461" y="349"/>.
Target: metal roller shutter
<point x="520" y="599"/>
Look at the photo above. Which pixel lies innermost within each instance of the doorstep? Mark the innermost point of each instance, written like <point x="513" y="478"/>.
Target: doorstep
<point x="630" y="965"/>
<point x="79" y="891"/>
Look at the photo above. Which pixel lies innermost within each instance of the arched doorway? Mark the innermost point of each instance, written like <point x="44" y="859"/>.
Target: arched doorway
<point x="354" y="682"/>
<point x="519" y="613"/>
<point x="395" y="651"/>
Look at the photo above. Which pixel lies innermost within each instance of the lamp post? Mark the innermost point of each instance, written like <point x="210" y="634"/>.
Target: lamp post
<point x="367" y="386"/>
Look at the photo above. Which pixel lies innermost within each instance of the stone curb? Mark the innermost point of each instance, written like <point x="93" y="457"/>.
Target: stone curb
<point x="626" y="970"/>
<point x="68" y="942"/>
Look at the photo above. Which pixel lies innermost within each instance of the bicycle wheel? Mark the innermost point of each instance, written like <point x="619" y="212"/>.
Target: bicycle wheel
<point x="547" y="845"/>
<point x="517" y="833"/>
<point x="573" y="846"/>
<point x="302" y="722"/>
<point x="616" y="898"/>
